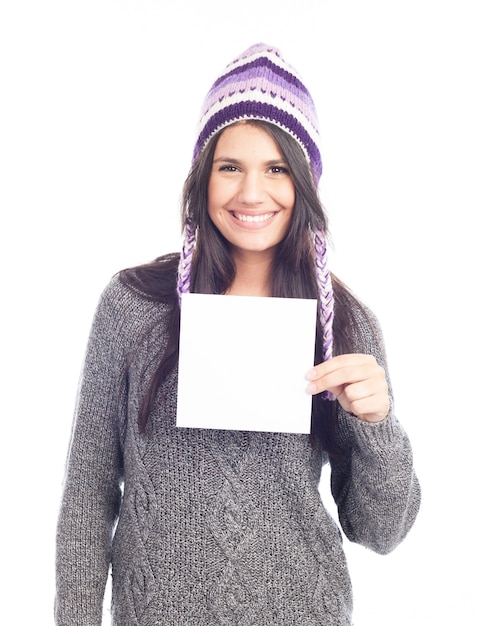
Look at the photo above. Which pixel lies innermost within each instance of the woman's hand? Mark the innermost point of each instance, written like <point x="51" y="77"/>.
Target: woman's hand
<point x="358" y="383"/>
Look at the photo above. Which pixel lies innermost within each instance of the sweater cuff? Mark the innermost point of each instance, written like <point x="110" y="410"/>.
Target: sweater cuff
<point x="372" y="437"/>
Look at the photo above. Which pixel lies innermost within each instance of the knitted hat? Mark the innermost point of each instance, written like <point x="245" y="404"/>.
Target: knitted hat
<point x="260" y="85"/>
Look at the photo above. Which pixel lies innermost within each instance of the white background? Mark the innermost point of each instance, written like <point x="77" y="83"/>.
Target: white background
<point x="99" y="103"/>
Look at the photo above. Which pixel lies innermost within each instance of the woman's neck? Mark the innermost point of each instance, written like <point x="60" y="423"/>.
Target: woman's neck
<point x="252" y="277"/>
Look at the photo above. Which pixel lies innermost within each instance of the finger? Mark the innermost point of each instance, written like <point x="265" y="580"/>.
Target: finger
<point x="346" y="372"/>
<point x="339" y="362"/>
<point x="368" y="399"/>
<point x="370" y="409"/>
<point x="375" y="387"/>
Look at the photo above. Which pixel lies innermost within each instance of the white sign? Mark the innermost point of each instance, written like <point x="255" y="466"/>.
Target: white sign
<point x="242" y="363"/>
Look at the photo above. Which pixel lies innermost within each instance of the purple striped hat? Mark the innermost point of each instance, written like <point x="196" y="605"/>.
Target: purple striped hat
<point x="260" y="85"/>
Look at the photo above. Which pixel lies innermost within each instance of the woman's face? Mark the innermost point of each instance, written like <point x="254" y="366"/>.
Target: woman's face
<point x="251" y="195"/>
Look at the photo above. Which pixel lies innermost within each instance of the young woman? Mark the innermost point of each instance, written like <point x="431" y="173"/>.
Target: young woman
<point x="224" y="527"/>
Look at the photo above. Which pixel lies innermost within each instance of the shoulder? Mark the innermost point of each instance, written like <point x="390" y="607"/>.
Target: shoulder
<point x="155" y="281"/>
<point x="124" y="312"/>
<point x="366" y="322"/>
<point x="356" y="323"/>
<point x="119" y="298"/>
<point x="144" y="287"/>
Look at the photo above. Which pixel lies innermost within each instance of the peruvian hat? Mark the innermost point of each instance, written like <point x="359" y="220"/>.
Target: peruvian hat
<point x="260" y="85"/>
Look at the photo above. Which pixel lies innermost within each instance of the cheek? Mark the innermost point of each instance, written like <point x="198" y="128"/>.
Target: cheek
<point x="210" y="198"/>
<point x="292" y="198"/>
<point x="219" y="196"/>
<point x="215" y="197"/>
<point x="287" y="197"/>
<point x="215" y="203"/>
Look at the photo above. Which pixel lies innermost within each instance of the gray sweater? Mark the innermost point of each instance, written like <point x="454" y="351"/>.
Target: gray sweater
<point x="207" y="527"/>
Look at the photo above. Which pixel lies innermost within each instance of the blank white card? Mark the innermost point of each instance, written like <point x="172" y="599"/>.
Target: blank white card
<point x="242" y="363"/>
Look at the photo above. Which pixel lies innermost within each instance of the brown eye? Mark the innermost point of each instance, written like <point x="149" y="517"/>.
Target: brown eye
<point x="278" y="169"/>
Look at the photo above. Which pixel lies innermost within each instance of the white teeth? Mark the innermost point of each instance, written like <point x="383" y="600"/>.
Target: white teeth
<point x="254" y="218"/>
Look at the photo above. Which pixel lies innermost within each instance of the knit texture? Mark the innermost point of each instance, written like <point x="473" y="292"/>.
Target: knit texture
<point x="213" y="527"/>
<point x="260" y="85"/>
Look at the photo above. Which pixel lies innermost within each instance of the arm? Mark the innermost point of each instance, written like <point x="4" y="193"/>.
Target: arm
<point x="91" y="495"/>
<point x="374" y="486"/>
<point x="373" y="482"/>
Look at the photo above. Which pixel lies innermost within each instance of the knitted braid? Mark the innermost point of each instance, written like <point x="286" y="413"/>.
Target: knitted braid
<point x="325" y="287"/>
<point x="187" y="252"/>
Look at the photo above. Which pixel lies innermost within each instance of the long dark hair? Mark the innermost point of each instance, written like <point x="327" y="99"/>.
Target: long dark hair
<point x="213" y="271"/>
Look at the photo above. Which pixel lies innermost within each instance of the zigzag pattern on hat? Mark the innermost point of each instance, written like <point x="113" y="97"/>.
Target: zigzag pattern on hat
<point x="259" y="84"/>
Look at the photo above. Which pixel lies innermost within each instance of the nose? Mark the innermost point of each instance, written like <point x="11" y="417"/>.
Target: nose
<point x="252" y="189"/>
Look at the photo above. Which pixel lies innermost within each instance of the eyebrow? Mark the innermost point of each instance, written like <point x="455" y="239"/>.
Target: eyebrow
<point x="229" y="160"/>
<point x="237" y="161"/>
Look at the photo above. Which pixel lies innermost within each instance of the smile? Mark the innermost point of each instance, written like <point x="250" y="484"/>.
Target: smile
<point x="253" y="218"/>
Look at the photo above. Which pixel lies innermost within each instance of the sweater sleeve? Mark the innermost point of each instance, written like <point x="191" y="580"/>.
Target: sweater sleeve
<point x="91" y="489"/>
<point x="374" y="484"/>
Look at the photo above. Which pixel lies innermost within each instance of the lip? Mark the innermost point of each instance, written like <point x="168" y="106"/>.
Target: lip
<point x="252" y="220"/>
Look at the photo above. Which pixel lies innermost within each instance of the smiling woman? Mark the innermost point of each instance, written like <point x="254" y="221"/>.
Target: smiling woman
<point x="221" y="526"/>
<point x="251" y="197"/>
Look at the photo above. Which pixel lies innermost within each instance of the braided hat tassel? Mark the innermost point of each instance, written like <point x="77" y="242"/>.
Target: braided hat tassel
<point x="326" y="304"/>
<point x="185" y="262"/>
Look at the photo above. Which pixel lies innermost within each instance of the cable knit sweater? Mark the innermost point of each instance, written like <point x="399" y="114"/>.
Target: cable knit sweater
<point x="207" y="527"/>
